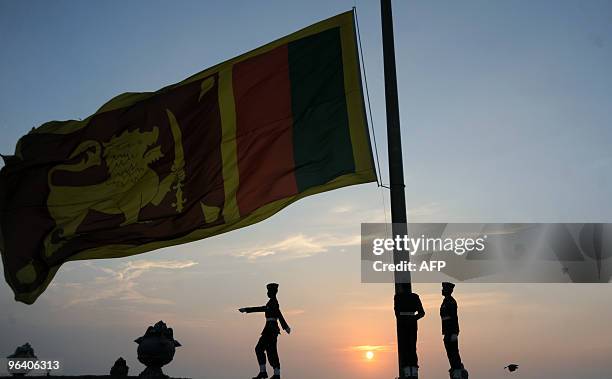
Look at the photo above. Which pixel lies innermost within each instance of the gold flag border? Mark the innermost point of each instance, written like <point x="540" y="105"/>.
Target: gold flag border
<point x="364" y="169"/>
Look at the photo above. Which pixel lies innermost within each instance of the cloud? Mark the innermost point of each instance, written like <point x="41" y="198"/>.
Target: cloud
<point x="375" y="212"/>
<point x="351" y="215"/>
<point x="121" y="283"/>
<point x="299" y="246"/>
<point x="293" y="312"/>
<point x="176" y="320"/>
<point x="374" y="348"/>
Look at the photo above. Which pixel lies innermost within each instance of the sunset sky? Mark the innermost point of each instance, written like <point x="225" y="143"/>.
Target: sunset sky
<point x="505" y="115"/>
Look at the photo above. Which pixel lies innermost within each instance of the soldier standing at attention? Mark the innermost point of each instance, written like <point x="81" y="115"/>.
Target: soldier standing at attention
<point x="269" y="335"/>
<point x="408" y="310"/>
<point x="450" y="330"/>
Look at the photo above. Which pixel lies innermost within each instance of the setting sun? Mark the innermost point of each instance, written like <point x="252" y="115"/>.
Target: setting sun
<point x="369" y="355"/>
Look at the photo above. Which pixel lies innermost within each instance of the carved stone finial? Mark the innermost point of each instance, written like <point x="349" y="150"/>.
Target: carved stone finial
<point x="156" y="348"/>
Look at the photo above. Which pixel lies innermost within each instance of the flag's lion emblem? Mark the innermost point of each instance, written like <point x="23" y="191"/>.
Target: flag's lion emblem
<point x="131" y="184"/>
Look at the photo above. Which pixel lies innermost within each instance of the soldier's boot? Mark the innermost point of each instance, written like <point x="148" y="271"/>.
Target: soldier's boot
<point x="276" y="373"/>
<point x="458" y="373"/>
<point x="414" y="372"/>
<point x="411" y="372"/>
<point x="261" y="375"/>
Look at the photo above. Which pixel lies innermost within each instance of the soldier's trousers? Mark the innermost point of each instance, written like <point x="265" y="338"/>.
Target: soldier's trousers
<point x="267" y="345"/>
<point x="407" y="336"/>
<point x="452" y="351"/>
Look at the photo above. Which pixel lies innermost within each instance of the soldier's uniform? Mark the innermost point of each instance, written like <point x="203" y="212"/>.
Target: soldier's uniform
<point x="408" y="310"/>
<point x="450" y="328"/>
<point x="269" y="335"/>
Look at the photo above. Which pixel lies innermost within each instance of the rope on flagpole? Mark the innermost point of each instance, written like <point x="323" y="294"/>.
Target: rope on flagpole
<point x="365" y="79"/>
<point x="379" y="180"/>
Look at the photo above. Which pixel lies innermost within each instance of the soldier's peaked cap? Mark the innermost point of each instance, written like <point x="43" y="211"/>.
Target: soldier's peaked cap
<point x="272" y="286"/>
<point x="448" y="285"/>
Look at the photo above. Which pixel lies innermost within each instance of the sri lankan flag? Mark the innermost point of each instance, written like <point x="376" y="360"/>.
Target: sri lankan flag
<point x="223" y="149"/>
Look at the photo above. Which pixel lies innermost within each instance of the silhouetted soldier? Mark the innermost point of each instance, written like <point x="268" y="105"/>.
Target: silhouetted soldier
<point x="450" y="330"/>
<point x="408" y="310"/>
<point x="269" y="335"/>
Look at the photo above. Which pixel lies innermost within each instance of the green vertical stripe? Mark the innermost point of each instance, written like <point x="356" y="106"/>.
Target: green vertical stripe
<point x="321" y="136"/>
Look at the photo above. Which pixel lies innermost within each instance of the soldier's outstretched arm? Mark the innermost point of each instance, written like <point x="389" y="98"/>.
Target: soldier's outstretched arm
<point x="253" y="309"/>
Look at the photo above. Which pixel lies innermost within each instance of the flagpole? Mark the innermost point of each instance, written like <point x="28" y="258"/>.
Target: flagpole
<point x="396" y="171"/>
